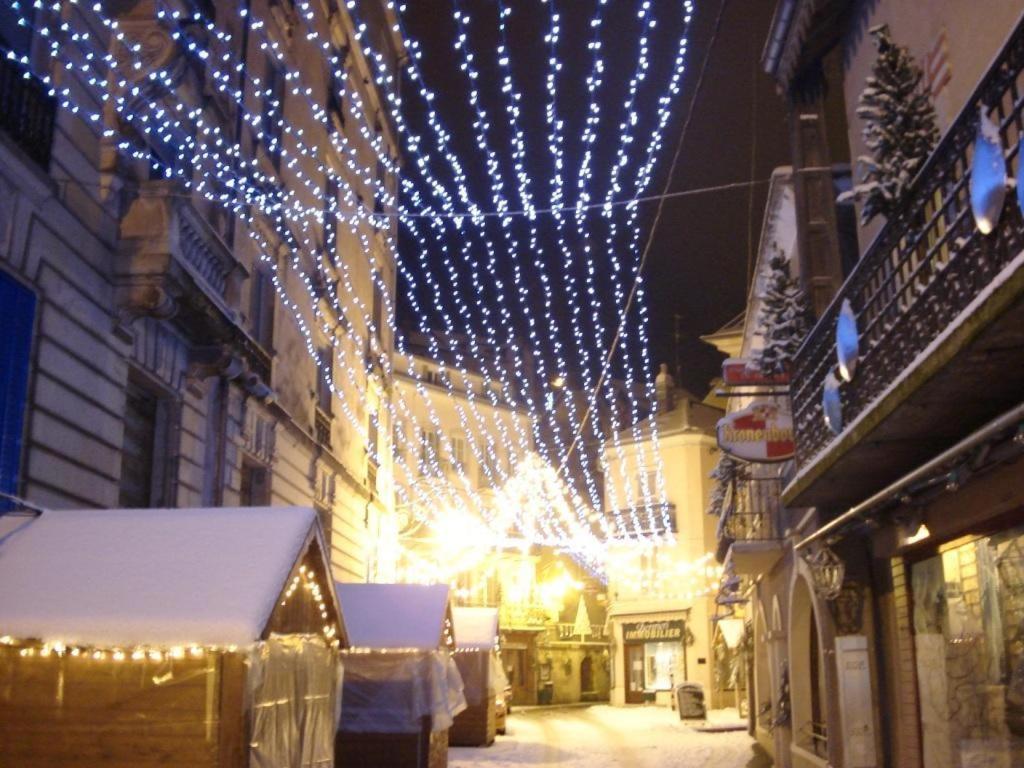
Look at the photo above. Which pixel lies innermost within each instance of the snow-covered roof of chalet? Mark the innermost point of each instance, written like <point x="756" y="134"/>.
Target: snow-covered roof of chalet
<point x="164" y="577"/>
<point x="475" y="628"/>
<point x="394" y="615"/>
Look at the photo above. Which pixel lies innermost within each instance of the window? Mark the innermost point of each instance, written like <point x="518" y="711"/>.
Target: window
<point x="646" y="485"/>
<point x="19" y="306"/>
<point x="458" y="463"/>
<point x="262" y="306"/>
<point x="272" y="116"/>
<point x="378" y="307"/>
<point x="968" y="622"/>
<point x="331" y="218"/>
<point x="255" y="485"/>
<point x="660" y="665"/>
<point x="325" y="378"/>
<point x="398" y="443"/>
<point x="145" y="466"/>
<point x="490" y="469"/>
<point x="430" y="449"/>
<point x="336" y="89"/>
<point x="373" y="437"/>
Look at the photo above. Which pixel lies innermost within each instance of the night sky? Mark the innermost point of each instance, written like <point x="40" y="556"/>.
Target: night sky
<point x="698" y="262"/>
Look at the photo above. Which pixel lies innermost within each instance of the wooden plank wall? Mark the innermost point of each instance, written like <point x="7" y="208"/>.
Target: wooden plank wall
<point x="79" y="712"/>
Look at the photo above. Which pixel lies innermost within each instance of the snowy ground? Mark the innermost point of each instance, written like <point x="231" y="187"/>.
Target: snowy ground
<point x="606" y="737"/>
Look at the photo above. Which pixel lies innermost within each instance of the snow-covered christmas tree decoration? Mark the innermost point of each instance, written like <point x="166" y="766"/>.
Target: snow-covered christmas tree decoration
<point x="582" y="625"/>
<point x="785" y="318"/>
<point x="899" y="131"/>
<point x="729" y="475"/>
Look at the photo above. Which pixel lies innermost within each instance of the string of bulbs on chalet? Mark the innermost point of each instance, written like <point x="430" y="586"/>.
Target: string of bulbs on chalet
<point x="304" y="579"/>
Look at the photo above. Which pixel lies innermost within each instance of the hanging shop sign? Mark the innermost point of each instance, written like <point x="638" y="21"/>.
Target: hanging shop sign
<point x="743" y="372"/>
<point x="761" y="432"/>
<point x="653" y="631"/>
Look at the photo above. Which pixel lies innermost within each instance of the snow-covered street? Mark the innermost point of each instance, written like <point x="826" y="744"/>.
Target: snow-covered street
<point x="602" y="736"/>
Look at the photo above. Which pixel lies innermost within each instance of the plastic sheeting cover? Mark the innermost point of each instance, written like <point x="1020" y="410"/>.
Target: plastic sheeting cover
<point x="390" y="693"/>
<point x="482" y="675"/>
<point x="294" y="687"/>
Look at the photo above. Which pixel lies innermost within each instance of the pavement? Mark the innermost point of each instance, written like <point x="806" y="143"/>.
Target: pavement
<point x="601" y="736"/>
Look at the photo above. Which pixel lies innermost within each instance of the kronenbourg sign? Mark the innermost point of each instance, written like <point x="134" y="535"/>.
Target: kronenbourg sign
<point x="743" y="372"/>
<point x="762" y="431"/>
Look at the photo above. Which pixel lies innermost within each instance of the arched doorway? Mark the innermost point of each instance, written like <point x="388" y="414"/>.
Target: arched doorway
<point x="807" y="679"/>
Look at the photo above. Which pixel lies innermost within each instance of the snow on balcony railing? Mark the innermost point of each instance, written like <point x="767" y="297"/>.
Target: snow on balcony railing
<point x="924" y="268"/>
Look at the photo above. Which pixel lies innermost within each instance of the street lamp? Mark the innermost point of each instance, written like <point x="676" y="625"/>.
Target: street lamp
<point x="827" y="573"/>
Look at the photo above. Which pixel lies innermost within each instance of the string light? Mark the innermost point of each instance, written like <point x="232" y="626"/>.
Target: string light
<point x="223" y="166"/>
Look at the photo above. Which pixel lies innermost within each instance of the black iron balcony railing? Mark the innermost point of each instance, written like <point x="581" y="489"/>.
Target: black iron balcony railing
<point x="924" y="268"/>
<point x="567" y="632"/>
<point x="756" y="513"/>
<point x="27" y="111"/>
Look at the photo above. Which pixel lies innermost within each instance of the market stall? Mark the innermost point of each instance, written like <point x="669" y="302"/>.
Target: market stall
<point x="484" y="682"/>
<point x="402" y="689"/>
<point x="175" y="637"/>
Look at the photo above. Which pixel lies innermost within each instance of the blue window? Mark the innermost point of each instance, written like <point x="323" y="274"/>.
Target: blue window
<point x="17" y="313"/>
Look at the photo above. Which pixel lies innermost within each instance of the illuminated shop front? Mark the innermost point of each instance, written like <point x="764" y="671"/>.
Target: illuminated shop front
<point x="651" y="658"/>
<point x="968" y="621"/>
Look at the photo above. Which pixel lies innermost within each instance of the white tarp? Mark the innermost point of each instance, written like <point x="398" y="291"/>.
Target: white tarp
<point x="475" y="628"/>
<point x="391" y="693"/>
<point x="389" y="616"/>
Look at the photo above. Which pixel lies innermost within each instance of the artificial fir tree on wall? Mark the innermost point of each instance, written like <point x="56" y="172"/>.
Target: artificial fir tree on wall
<point x="785" y="317"/>
<point x="899" y="128"/>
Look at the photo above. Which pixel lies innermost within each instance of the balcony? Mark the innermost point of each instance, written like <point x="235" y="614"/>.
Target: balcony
<point x="751" y="534"/>
<point x="940" y="318"/>
<point x="523" y="616"/>
<point x="566" y="632"/>
<point x="172" y="264"/>
<point x="27" y="112"/>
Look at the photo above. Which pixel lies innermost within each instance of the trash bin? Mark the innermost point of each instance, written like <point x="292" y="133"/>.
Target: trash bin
<point x="546" y="693"/>
<point x="690" y="701"/>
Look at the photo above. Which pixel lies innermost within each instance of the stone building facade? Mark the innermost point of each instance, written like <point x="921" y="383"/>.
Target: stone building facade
<point x="171" y="338"/>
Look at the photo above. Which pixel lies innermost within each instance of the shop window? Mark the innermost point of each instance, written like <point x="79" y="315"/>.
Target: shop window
<point x="659" y="665"/>
<point x="968" y="619"/>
